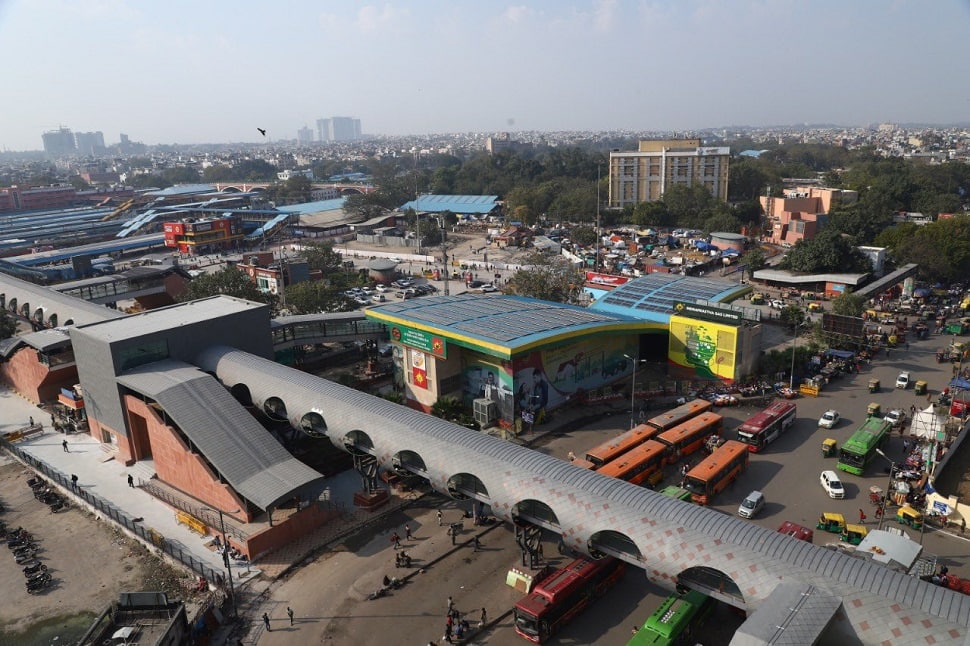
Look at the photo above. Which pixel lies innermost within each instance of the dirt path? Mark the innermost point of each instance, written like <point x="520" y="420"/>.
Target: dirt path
<point x="89" y="561"/>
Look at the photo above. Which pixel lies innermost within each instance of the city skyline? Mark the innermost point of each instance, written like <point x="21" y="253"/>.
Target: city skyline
<point x="213" y="73"/>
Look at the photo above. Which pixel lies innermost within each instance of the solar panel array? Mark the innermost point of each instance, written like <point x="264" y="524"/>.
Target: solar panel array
<point x="659" y="292"/>
<point x="499" y="319"/>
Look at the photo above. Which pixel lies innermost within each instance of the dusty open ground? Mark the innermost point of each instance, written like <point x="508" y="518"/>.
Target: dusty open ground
<point x="89" y="561"/>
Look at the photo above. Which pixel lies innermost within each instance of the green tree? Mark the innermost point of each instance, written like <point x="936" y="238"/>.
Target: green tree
<point x="321" y="256"/>
<point x="848" y="304"/>
<point x="550" y="278"/>
<point x="451" y="409"/>
<point x="829" y="251"/>
<point x="941" y="249"/>
<point x="755" y="260"/>
<point x="181" y="175"/>
<point x="652" y="214"/>
<point x="8" y="324"/>
<point x="585" y="236"/>
<point x="228" y="281"/>
<point x="312" y="296"/>
<point x="79" y="184"/>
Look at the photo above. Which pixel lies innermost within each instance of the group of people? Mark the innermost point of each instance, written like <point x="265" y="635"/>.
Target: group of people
<point x="457" y="627"/>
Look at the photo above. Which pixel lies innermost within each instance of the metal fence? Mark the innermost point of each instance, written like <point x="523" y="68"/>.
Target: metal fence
<point x="150" y="536"/>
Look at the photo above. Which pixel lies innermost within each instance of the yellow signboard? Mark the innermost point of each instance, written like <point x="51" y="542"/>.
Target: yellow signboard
<point x="708" y="348"/>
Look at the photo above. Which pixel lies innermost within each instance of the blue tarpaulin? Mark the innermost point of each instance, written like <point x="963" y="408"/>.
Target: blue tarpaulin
<point x="959" y="384"/>
<point x="841" y="354"/>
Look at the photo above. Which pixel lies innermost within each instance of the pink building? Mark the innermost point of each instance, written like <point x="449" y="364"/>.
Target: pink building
<point x="802" y="212"/>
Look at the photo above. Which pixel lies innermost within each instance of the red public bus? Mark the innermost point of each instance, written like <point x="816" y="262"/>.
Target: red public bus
<point x="679" y="415"/>
<point x="612" y="449"/>
<point x="563" y="595"/>
<point x="690" y="436"/>
<point x="716" y="471"/>
<point x="761" y="429"/>
<point x="641" y="464"/>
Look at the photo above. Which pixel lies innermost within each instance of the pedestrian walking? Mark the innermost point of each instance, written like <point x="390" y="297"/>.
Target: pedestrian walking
<point x="450" y="620"/>
<point x="131" y="481"/>
<point x="453" y="533"/>
<point x="31" y="420"/>
<point x="477" y="544"/>
<point x="439" y="517"/>
<point x="407" y="532"/>
<point x="74" y="481"/>
<point x="266" y="622"/>
<point x="64" y="446"/>
<point x="484" y="618"/>
<point x="905" y="446"/>
<point x="451" y="605"/>
<point x="289" y="613"/>
<point x="396" y="540"/>
<point x="862" y="516"/>
<point x="448" y="633"/>
<point x="571" y="456"/>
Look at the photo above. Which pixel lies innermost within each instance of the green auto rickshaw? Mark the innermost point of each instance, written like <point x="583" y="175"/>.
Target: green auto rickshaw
<point x="830" y="522"/>
<point x="853" y="534"/>
<point x="828" y="447"/>
<point x="873" y="410"/>
<point x="909" y="516"/>
<point x="920" y="387"/>
<point x="874" y="385"/>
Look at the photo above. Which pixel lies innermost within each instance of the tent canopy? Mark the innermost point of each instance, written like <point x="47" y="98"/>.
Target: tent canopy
<point x="841" y="354"/>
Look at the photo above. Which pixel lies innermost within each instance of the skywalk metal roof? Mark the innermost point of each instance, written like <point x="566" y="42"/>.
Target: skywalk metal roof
<point x="251" y="460"/>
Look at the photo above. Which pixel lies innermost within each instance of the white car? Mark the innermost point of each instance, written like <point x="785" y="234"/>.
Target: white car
<point x="381" y="288"/>
<point x="832" y="485"/>
<point x="895" y="417"/>
<point x="751" y="505"/>
<point x="776" y="305"/>
<point x="829" y="419"/>
<point x="487" y="287"/>
<point x="902" y="381"/>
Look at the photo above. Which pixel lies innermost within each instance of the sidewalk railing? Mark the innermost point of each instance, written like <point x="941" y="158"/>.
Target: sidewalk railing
<point x="146" y="534"/>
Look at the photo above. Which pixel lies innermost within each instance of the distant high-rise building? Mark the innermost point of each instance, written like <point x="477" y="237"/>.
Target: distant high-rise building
<point x="644" y="175"/>
<point x="323" y="130"/>
<point x="304" y="135"/>
<point x="89" y="143"/>
<point x="339" y="129"/>
<point x="59" y="143"/>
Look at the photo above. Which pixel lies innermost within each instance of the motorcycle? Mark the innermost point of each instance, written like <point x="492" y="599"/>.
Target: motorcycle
<point x="377" y="594"/>
<point x="57" y="505"/>
<point x="36" y="576"/>
<point x="46" y="496"/>
<point x="38" y="584"/>
<point x="36" y="483"/>
<point x="19" y="541"/>
<point x="25" y="557"/>
<point x="17" y="550"/>
<point x="34" y="567"/>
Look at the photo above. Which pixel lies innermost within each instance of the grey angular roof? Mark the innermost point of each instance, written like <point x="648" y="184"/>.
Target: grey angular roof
<point x="244" y="453"/>
<point x="794" y="614"/>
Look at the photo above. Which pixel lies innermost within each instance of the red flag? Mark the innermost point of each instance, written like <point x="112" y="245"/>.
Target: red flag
<point x="419" y="377"/>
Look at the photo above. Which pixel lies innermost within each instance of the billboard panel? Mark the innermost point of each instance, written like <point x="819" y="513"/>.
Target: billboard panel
<point x="708" y="348"/>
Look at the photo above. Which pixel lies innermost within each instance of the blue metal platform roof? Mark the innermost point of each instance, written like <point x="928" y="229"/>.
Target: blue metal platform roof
<point x="500" y="325"/>
<point x="652" y="297"/>
<point x="454" y="203"/>
<point x="314" y="207"/>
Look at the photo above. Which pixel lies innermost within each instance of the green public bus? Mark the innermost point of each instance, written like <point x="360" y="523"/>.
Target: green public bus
<point x="672" y="622"/>
<point x="856" y="453"/>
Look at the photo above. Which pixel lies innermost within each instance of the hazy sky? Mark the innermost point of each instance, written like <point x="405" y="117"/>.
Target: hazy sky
<point x="171" y="71"/>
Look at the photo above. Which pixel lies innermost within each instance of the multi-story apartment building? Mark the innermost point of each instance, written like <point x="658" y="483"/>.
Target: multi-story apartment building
<point x="802" y="212"/>
<point x="645" y="174"/>
<point x="339" y="129"/>
<point x="89" y="143"/>
<point x="59" y="143"/>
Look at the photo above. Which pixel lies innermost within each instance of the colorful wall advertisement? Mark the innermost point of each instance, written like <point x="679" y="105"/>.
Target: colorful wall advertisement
<point x="707" y="348"/>
<point x="548" y="378"/>
<point x="482" y="378"/>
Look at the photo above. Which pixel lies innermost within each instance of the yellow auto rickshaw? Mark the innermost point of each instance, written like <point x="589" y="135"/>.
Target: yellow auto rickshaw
<point x="834" y="523"/>
<point x="853" y="534"/>
<point x="814" y="307"/>
<point x="920" y="387"/>
<point x="828" y="447"/>
<point x="873" y="410"/>
<point x="757" y="298"/>
<point x="874" y="385"/>
<point x="909" y="516"/>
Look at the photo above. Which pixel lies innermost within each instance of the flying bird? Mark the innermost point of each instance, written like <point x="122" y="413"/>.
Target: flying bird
<point x="261" y="131"/>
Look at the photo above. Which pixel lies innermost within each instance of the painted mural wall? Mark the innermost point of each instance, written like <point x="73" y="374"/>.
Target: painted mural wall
<point x="707" y="348"/>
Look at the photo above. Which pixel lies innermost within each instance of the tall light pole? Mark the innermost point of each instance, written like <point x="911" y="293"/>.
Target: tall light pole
<point x="225" y="557"/>
<point x="889" y="486"/>
<point x="794" y="342"/>
<point x="633" y="389"/>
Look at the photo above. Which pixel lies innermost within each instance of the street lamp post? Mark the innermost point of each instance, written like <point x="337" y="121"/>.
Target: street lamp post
<point x="633" y="389"/>
<point x="889" y="486"/>
<point x="225" y="558"/>
<point x="794" y="342"/>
